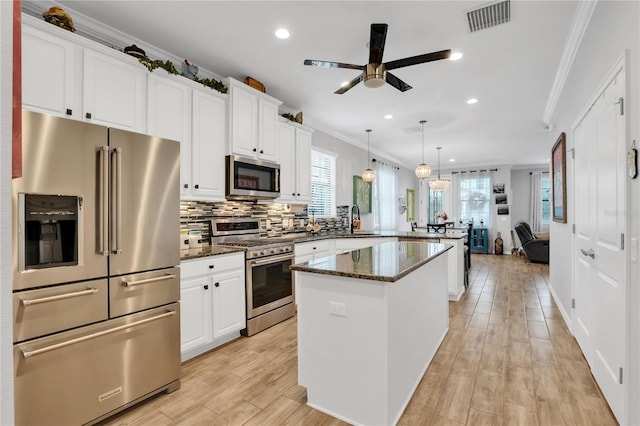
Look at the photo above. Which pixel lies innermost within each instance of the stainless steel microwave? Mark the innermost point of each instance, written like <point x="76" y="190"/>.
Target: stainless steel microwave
<point x="250" y="179"/>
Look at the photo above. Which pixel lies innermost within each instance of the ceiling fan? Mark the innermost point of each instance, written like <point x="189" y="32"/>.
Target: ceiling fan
<point x="375" y="73"/>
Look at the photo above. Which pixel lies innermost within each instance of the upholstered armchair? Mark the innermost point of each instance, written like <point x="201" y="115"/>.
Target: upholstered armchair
<point x="536" y="249"/>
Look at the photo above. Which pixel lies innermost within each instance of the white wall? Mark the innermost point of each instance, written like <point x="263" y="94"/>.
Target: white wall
<point x="352" y="160"/>
<point x="612" y="30"/>
<point x="6" y="320"/>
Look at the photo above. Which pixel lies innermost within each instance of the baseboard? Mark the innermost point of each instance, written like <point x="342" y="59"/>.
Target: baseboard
<point x="565" y="315"/>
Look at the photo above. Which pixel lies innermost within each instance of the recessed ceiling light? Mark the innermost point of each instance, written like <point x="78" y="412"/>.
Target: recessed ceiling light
<point x="472" y="101"/>
<point x="455" y="56"/>
<point x="282" y="33"/>
<point x="451" y="160"/>
<point x="388" y="116"/>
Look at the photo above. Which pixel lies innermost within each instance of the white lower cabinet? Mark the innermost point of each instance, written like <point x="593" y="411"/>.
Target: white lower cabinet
<point x="344" y="245"/>
<point x="212" y="298"/>
<point x="314" y="250"/>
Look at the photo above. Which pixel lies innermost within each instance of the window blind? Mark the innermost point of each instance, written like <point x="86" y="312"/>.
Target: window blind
<point x="323" y="184"/>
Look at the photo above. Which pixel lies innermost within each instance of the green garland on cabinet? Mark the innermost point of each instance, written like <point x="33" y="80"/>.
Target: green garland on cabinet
<point x="171" y="69"/>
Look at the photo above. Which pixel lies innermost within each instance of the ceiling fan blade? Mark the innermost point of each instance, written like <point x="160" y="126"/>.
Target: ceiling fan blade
<point x="352" y="83"/>
<point x="396" y="82"/>
<point x="376" y="43"/>
<point x="328" y="64"/>
<point x="414" y="60"/>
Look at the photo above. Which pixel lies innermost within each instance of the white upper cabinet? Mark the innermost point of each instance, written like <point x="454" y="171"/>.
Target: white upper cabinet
<point x="66" y="75"/>
<point x="253" y="122"/>
<point x="114" y="91"/>
<point x="49" y="74"/>
<point x="209" y="137"/>
<point x="169" y="116"/>
<point x="295" y="164"/>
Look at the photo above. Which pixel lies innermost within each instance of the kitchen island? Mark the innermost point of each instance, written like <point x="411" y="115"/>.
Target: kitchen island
<point x="369" y="323"/>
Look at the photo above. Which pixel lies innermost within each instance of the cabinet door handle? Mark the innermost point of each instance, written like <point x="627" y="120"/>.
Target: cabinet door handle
<point x="88" y="115"/>
<point x="217" y="284"/>
<point x="186" y="185"/>
<point x="206" y="287"/>
<point x="261" y="152"/>
<point x="196" y="186"/>
<point x="254" y="149"/>
<point x="293" y="193"/>
<point x="69" y="111"/>
<point x="211" y="266"/>
<point x="298" y="194"/>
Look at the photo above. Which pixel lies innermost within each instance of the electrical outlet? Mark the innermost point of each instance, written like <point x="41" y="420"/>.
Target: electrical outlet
<point x="338" y="309"/>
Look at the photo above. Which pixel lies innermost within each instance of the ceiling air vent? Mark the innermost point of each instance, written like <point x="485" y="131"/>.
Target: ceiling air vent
<point x="489" y="16"/>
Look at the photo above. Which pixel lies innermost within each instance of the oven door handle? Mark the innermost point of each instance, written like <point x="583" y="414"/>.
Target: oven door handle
<point x="270" y="259"/>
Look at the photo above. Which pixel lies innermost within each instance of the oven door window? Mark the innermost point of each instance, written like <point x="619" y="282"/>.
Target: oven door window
<point x="270" y="283"/>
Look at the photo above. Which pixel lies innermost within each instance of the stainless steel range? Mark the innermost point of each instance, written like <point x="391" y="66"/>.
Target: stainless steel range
<point x="268" y="278"/>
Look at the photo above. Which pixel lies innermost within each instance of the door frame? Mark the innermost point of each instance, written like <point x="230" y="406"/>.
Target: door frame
<point x="622" y="64"/>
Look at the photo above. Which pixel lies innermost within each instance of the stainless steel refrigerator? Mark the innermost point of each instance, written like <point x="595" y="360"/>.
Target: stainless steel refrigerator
<point x="96" y="281"/>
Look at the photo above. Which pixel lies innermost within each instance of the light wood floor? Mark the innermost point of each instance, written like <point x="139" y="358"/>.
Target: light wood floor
<point x="508" y="359"/>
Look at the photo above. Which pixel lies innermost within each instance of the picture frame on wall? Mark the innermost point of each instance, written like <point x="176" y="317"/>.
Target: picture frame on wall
<point x="559" y="179"/>
<point x="361" y="194"/>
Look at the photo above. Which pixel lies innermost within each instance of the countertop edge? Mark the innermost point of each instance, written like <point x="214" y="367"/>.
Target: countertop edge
<point x="303" y="267"/>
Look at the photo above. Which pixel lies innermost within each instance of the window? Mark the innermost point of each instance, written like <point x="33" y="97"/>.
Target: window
<point x="384" y="194"/>
<point x="545" y="192"/>
<point x="436" y="205"/>
<point x="475" y="199"/>
<point x="323" y="183"/>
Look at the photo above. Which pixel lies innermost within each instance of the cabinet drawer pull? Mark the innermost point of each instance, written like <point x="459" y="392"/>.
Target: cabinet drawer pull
<point x="69" y="111"/>
<point x="206" y="287"/>
<point x="29" y="302"/>
<point x="261" y="152"/>
<point x="196" y="186"/>
<point x="186" y="185"/>
<point x="254" y="149"/>
<point x="88" y="115"/>
<point x="28" y="354"/>
<point x="217" y="284"/>
<point x="211" y="266"/>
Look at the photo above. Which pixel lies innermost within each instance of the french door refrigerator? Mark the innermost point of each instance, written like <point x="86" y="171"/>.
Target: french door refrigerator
<point x="96" y="281"/>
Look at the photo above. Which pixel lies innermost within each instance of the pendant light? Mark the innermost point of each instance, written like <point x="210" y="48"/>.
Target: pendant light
<point x="423" y="170"/>
<point x="369" y="175"/>
<point x="439" y="185"/>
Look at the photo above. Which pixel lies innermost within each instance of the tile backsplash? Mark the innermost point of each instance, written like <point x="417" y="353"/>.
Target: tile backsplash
<point x="275" y="219"/>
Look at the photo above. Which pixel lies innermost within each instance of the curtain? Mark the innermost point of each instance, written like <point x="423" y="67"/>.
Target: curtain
<point x="535" y="201"/>
<point x="384" y="194"/>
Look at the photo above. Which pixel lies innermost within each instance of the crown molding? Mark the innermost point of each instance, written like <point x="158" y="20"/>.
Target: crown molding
<point x="579" y="25"/>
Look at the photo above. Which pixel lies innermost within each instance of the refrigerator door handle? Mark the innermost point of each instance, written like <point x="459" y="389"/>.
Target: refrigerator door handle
<point x="29" y="354"/>
<point x="116" y="201"/>
<point x="103" y="198"/>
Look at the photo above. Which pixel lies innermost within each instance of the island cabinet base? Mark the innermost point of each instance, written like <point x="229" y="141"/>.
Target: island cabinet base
<point x="364" y="345"/>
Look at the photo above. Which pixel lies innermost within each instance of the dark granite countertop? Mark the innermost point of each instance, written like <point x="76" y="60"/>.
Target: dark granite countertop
<point x="383" y="262"/>
<point x="208" y="250"/>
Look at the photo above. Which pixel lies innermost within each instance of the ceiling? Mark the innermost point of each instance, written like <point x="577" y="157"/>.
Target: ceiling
<point x="509" y="68"/>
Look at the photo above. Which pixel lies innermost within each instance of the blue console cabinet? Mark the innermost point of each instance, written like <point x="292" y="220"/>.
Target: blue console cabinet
<point x="479" y="240"/>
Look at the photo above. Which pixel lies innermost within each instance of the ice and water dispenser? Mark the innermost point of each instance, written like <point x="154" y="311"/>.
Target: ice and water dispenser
<point x="50" y="232"/>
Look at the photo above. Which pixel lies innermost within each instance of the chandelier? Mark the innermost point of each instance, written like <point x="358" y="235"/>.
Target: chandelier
<point x="369" y="175"/>
<point x="423" y="170"/>
<point x="439" y="185"/>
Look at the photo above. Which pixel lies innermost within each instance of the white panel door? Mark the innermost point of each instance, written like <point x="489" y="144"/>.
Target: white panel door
<point x="169" y="116"/>
<point x="114" y="92"/>
<point x="268" y="145"/>
<point x="209" y="136"/>
<point x="600" y="259"/>
<point x="229" y="314"/>
<point x="244" y="123"/>
<point x="195" y="312"/>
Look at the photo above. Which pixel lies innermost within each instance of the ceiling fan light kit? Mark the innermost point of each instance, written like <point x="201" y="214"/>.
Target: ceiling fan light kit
<point x="376" y="73"/>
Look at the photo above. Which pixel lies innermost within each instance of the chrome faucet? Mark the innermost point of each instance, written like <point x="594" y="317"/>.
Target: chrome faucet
<point x="354" y="210"/>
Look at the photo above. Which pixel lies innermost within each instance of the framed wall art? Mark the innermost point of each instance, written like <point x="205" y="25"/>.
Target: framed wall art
<point x="559" y="179"/>
<point x="362" y="194"/>
<point x="411" y="203"/>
